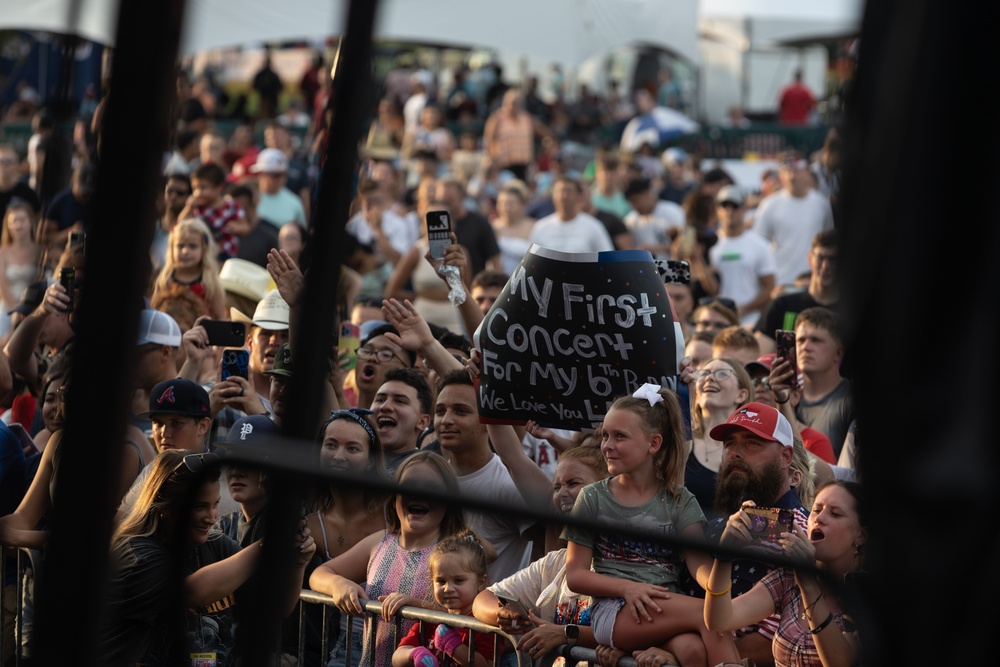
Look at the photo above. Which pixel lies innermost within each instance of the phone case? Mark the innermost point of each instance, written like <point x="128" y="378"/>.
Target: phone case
<point x="438" y="232"/>
<point x="224" y="333"/>
<point x="235" y="362"/>
<point x="349" y="342"/>
<point x="785" y="346"/>
<point x="513" y="604"/>
<point x="767" y="523"/>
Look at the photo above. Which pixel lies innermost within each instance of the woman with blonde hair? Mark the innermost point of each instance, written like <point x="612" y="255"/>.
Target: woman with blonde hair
<point x="191" y="260"/>
<point x="20" y="257"/>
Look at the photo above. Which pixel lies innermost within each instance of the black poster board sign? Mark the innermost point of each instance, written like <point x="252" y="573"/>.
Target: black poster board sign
<point x="570" y="333"/>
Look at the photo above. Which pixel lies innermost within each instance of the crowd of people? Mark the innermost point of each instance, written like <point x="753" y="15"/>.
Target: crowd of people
<point x="663" y="555"/>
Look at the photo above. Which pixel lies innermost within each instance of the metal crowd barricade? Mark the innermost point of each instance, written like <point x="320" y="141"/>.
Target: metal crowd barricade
<point x="572" y="654"/>
<point x="23" y="560"/>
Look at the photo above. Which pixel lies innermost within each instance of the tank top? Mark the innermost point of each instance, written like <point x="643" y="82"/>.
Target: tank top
<point x="393" y="569"/>
<point x="700" y="481"/>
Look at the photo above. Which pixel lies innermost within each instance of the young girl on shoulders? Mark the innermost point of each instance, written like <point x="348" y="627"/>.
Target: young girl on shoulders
<point x="394" y="562"/>
<point x="458" y="572"/>
<point x="633" y="582"/>
<point x="191" y="261"/>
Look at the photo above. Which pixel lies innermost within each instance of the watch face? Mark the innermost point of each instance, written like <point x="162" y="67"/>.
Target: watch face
<point x="572" y="631"/>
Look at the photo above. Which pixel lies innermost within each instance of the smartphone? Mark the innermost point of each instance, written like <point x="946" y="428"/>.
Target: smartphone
<point x="674" y="271"/>
<point x="67" y="278"/>
<point x="76" y="239"/>
<point x="348" y="343"/>
<point x="768" y="523"/>
<point x="235" y="362"/>
<point x="785" y="344"/>
<point x="688" y="238"/>
<point x="438" y="232"/>
<point x="223" y="333"/>
<point x="514" y="605"/>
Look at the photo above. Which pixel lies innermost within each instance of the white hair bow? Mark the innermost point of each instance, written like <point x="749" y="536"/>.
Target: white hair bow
<point x="649" y="391"/>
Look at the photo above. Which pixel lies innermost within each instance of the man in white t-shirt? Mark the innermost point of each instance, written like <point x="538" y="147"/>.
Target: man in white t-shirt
<point x="790" y="218"/>
<point x="481" y="474"/>
<point x="569" y="229"/>
<point x="652" y="219"/>
<point x="742" y="259"/>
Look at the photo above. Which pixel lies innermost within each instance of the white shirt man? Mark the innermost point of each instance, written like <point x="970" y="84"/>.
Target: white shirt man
<point x="569" y="229"/>
<point x="790" y="218"/>
<point x="741" y="258"/>
<point x="481" y="474"/>
<point x="652" y="219"/>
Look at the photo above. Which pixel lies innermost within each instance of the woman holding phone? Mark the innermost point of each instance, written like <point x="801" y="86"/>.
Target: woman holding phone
<point x="815" y="628"/>
<point x="416" y="276"/>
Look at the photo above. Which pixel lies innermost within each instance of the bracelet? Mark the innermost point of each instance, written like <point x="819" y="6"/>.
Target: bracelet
<point x="822" y="626"/>
<point x="728" y="588"/>
<point x="781" y="402"/>
<point x="722" y="558"/>
<point x="807" y="609"/>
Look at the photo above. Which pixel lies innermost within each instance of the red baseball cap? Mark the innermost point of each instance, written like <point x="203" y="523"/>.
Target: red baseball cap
<point x="761" y="420"/>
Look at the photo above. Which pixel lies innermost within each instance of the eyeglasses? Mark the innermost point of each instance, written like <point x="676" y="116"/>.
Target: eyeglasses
<point x="718" y="374"/>
<point x="199" y="462"/>
<point x="382" y="356"/>
<point x="457" y="357"/>
<point x="61" y="394"/>
<point x="762" y="383"/>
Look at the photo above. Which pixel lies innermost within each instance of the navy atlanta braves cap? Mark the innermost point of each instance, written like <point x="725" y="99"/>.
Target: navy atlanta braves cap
<point x="178" y="397"/>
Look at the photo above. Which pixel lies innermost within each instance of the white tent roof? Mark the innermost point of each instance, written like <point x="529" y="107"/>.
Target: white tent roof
<point x="775" y="21"/>
<point x="563" y="31"/>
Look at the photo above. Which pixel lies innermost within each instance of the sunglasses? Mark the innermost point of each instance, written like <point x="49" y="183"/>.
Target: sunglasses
<point x="198" y="462"/>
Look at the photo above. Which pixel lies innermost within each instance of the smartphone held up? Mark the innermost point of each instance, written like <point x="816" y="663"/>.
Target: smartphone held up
<point x="438" y="232"/>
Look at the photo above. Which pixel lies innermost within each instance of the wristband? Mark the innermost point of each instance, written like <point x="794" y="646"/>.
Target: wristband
<point x="822" y="626"/>
<point x="722" y="558"/>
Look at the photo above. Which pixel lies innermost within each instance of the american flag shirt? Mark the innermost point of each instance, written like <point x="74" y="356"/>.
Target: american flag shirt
<point x="217" y="218"/>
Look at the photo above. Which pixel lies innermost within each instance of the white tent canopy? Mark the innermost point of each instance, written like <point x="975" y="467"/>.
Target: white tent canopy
<point x="559" y="31"/>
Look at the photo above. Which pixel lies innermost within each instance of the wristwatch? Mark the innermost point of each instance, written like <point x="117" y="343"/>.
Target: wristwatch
<point x="572" y="633"/>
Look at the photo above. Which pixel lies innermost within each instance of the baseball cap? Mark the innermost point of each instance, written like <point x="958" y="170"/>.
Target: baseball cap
<point x="178" y="396"/>
<point x="282" y="362"/>
<point x="271" y="313"/>
<point x="731" y="194"/>
<point x="761" y="366"/>
<point x="674" y="155"/>
<point x="761" y="420"/>
<point x="270" y="161"/>
<point x="31" y="296"/>
<point x="251" y="430"/>
<point x="243" y="277"/>
<point x="155" y="326"/>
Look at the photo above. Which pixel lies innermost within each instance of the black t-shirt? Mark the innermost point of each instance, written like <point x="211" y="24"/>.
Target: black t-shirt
<point x="475" y="233"/>
<point x="612" y="223"/>
<point x="66" y="209"/>
<point x="255" y="245"/>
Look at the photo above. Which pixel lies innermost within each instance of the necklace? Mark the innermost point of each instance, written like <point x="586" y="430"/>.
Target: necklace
<point x="712" y="453"/>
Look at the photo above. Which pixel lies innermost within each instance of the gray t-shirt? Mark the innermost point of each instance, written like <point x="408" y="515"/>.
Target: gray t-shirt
<point x="625" y="557"/>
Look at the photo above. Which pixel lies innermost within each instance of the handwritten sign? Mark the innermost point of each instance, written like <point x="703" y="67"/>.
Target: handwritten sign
<point x="570" y="333"/>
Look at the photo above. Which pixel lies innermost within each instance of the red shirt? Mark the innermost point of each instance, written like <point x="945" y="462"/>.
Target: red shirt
<point x="795" y="104"/>
<point x="484" y="642"/>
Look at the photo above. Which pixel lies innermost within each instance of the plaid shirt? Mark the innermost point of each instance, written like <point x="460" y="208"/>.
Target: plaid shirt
<point x="217" y="218"/>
